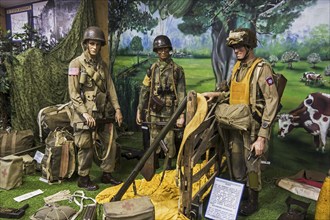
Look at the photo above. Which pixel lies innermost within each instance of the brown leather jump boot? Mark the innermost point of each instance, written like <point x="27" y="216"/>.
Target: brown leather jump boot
<point x="250" y="206"/>
<point x="86" y="183"/>
<point x="245" y="194"/>
<point x="108" y="178"/>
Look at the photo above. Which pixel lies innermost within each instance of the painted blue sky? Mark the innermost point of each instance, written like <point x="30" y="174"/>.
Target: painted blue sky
<point x="312" y="16"/>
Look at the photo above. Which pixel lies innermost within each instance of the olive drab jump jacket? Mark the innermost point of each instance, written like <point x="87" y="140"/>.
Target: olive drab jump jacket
<point x="91" y="88"/>
<point x="165" y="80"/>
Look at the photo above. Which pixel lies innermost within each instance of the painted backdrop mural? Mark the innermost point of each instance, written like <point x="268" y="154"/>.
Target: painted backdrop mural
<point x="293" y="36"/>
<point x="201" y="27"/>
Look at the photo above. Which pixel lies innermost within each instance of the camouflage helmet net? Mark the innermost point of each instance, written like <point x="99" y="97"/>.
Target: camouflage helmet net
<point x="242" y="36"/>
<point x="40" y="79"/>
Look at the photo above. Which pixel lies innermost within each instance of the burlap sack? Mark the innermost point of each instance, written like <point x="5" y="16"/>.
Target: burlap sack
<point x="11" y="172"/>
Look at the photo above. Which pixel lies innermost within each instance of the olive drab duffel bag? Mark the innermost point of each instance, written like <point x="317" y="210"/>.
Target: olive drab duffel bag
<point x="15" y="141"/>
<point x="11" y="172"/>
<point x="59" y="161"/>
<point x="52" y="117"/>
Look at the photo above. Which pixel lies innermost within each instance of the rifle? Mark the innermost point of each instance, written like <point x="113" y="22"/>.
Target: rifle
<point x="12" y="212"/>
<point x="149" y="151"/>
<point x="149" y="168"/>
<point x="99" y="121"/>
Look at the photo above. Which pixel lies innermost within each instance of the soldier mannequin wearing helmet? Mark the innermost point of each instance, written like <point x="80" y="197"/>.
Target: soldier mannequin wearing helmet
<point x="93" y="96"/>
<point x="164" y="81"/>
<point x="243" y="41"/>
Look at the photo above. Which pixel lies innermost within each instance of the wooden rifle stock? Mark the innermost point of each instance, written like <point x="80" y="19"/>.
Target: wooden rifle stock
<point x="149" y="151"/>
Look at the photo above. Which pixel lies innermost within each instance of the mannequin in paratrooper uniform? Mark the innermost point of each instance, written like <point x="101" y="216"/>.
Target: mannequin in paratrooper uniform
<point x="165" y="83"/>
<point x="243" y="41"/>
<point x="93" y="95"/>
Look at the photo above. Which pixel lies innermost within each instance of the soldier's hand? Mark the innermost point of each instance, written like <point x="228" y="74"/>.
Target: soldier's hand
<point x="119" y="117"/>
<point x="138" y="117"/>
<point x="210" y="95"/>
<point x="90" y="121"/>
<point x="180" y="122"/>
<point x="259" y="146"/>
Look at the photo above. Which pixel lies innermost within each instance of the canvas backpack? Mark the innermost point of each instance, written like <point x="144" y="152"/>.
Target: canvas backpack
<point x="59" y="161"/>
<point x="52" y="117"/>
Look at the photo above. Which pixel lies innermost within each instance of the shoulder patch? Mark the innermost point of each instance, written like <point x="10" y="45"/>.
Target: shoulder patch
<point x="270" y="80"/>
<point x="74" y="71"/>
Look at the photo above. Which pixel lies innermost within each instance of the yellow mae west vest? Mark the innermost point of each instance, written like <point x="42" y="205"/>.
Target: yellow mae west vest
<point x="240" y="91"/>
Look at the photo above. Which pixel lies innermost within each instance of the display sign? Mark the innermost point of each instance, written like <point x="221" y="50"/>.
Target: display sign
<point x="224" y="200"/>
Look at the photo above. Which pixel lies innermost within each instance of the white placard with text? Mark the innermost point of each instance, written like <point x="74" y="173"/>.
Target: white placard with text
<point x="224" y="200"/>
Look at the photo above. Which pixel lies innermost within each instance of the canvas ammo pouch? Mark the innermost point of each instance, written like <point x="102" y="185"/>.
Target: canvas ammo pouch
<point x="130" y="209"/>
<point x="29" y="164"/>
<point x="11" y="171"/>
<point x="236" y="116"/>
<point x="156" y="104"/>
<point x="15" y="141"/>
<point x="59" y="159"/>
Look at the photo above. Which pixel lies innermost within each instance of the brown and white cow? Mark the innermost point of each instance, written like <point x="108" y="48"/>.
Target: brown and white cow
<point x="313" y="114"/>
<point x="312" y="78"/>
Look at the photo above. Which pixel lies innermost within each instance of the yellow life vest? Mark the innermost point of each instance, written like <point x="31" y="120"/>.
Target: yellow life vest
<point x="240" y="91"/>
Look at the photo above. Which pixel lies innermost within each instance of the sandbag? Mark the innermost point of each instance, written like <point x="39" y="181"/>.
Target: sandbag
<point x="15" y="141"/>
<point x="234" y="116"/>
<point x="59" y="159"/>
<point x="53" y="117"/>
<point x="11" y="171"/>
<point x="130" y="209"/>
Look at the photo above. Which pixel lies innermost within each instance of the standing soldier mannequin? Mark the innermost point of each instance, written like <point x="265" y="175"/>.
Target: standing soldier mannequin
<point x="244" y="73"/>
<point x="163" y="89"/>
<point x="93" y="95"/>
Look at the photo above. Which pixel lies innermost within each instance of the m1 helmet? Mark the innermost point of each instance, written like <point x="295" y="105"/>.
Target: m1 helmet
<point x="161" y="41"/>
<point x="94" y="33"/>
<point x="242" y="36"/>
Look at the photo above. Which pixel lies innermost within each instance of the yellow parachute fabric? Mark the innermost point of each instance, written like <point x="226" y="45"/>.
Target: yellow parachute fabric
<point x="323" y="203"/>
<point x="166" y="197"/>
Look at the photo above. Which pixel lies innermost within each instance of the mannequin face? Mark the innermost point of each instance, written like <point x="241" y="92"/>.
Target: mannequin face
<point x="93" y="47"/>
<point x="163" y="53"/>
<point x="240" y="51"/>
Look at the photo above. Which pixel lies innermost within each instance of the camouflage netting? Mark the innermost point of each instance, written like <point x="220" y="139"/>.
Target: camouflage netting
<point x="40" y="79"/>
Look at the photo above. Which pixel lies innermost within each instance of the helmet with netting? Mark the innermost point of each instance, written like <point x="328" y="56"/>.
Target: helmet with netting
<point x="94" y="33"/>
<point x="161" y="41"/>
<point x="242" y="36"/>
